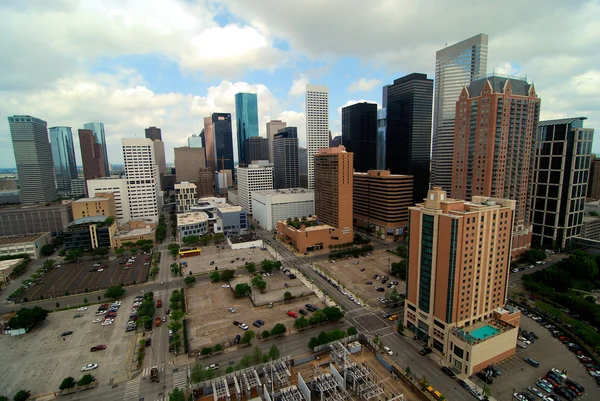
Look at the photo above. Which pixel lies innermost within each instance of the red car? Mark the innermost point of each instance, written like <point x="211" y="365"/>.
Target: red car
<point x="97" y="348"/>
<point x="549" y="380"/>
<point x="293" y="314"/>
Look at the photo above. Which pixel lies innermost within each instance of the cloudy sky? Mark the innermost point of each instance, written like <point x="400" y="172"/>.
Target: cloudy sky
<point x="169" y="63"/>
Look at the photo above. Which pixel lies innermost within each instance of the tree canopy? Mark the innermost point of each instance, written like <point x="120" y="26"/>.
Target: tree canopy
<point x="114" y="292"/>
<point x="27" y="318"/>
<point x="242" y="290"/>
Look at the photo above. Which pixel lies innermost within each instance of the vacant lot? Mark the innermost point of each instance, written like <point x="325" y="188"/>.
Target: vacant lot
<point x="210" y="322"/>
<point x="222" y="258"/>
<point x="75" y="278"/>
<point x="349" y="274"/>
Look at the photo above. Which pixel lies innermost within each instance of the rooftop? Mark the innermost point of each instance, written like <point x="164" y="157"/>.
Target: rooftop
<point x="10" y="263"/>
<point x="519" y="86"/>
<point x="381" y="173"/>
<point x="134" y="233"/>
<point x="88" y="220"/>
<point x="272" y="192"/>
<point x="229" y="209"/>
<point x="184" y="219"/>
<point x="482" y="331"/>
<point x="561" y="121"/>
<point x="95" y="199"/>
<point x="239" y="239"/>
<point x="20" y="239"/>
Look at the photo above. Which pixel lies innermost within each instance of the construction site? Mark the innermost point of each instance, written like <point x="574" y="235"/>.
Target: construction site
<point x="343" y="373"/>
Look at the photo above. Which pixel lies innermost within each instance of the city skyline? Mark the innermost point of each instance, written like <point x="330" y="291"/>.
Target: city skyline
<point x="174" y="85"/>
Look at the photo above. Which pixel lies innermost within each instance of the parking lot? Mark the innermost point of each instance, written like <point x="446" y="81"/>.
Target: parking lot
<point x="39" y="360"/>
<point x="550" y="353"/>
<point x="211" y="323"/>
<point x="348" y="273"/>
<point x="222" y="257"/>
<point x="75" y="278"/>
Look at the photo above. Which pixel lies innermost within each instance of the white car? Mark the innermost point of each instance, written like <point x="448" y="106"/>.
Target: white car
<point x="100" y="313"/>
<point x="82" y="309"/>
<point x="214" y="366"/>
<point x="89" y="366"/>
<point x="97" y="320"/>
<point x="232" y="310"/>
<point x="225" y="286"/>
<point x="536" y="391"/>
<point x="388" y="350"/>
<point x="559" y="372"/>
<point x="243" y="326"/>
<point x="357" y="302"/>
<point x="100" y="270"/>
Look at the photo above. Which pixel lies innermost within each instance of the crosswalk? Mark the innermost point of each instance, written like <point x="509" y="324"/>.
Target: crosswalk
<point x="180" y="379"/>
<point x="132" y="389"/>
<point x="146" y="371"/>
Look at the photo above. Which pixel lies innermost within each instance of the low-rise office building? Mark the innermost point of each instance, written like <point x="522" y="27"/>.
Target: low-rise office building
<point x="89" y="233"/>
<point x="192" y="223"/>
<point x="133" y="231"/>
<point x="270" y="206"/>
<point x="244" y="241"/>
<point x="33" y="219"/>
<point x="6" y="268"/>
<point x="103" y="204"/>
<point x="231" y="220"/>
<point x="186" y="196"/>
<point x="311" y="235"/>
<point x="29" y="244"/>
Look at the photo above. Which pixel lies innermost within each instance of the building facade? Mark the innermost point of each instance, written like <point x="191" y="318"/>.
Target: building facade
<point x="191" y="223"/>
<point x="359" y="134"/>
<point x="255" y="148"/>
<point x="100" y="137"/>
<point x="33" y="156"/>
<point x="303" y="166"/>
<point x="116" y="186"/>
<point x="285" y="167"/>
<point x="560" y="180"/>
<point x="273" y="127"/>
<point x="188" y="163"/>
<point x="255" y="177"/>
<point x="63" y="157"/>
<point x="458" y="266"/>
<point x="78" y="187"/>
<point x="89" y="233"/>
<point x="381" y="201"/>
<point x="223" y="140"/>
<point x="456" y="66"/>
<point x="195" y="141"/>
<point x="594" y="180"/>
<point x="209" y="148"/>
<point x="268" y="207"/>
<point x="317" y="126"/>
<point x="101" y="205"/>
<point x="141" y="173"/>
<point x="231" y="220"/>
<point x="133" y="231"/>
<point x="154" y="133"/>
<point x="496" y="126"/>
<point x="186" y="196"/>
<point x="246" y="112"/>
<point x="92" y="156"/>
<point x="408" y="130"/>
<point x="380" y="148"/>
<point x="29" y="244"/>
<point x="205" y="183"/>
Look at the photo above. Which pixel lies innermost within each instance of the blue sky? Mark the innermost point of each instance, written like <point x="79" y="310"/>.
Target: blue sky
<point x="169" y="63"/>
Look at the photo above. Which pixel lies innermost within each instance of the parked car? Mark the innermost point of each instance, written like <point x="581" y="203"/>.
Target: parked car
<point x="388" y="350"/>
<point x="214" y="366"/>
<point x="89" y="366"/>
<point x="380" y="289"/>
<point x="237" y="339"/>
<point x="495" y="370"/>
<point x="97" y="348"/>
<point x="485" y="377"/>
<point x="66" y="333"/>
<point x="292" y="314"/>
<point x="303" y="312"/>
<point x="425" y="351"/>
<point x="448" y="371"/>
<point x="532" y="362"/>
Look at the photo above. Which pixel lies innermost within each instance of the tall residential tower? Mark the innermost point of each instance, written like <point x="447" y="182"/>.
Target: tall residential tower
<point x="317" y="131"/>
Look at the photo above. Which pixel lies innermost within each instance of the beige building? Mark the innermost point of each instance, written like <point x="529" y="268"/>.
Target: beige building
<point x="272" y="127"/>
<point x="206" y="183"/>
<point x="103" y="204"/>
<point x="458" y="266"/>
<point x="29" y="244"/>
<point x="185" y="196"/>
<point x="6" y="268"/>
<point x="188" y="162"/>
<point x="193" y="223"/>
<point x="133" y="231"/>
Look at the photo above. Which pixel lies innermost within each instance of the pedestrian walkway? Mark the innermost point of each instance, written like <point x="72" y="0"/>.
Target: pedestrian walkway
<point x="146" y="371"/>
<point x="132" y="389"/>
<point x="180" y="379"/>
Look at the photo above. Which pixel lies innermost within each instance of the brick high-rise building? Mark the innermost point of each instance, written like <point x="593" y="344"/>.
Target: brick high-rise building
<point x="458" y="266"/>
<point x="496" y="126"/>
<point x="333" y="188"/>
<point x="92" y="155"/>
<point x="100" y="137"/>
<point x="209" y="140"/>
<point x="206" y="183"/>
<point x="381" y="201"/>
<point x="594" y="179"/>
<point x="359" y="134"/>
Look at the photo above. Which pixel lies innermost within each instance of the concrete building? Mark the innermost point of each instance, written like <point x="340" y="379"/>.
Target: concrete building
<point x="63" y="158"/>
<point x="186" y="194"/>
<point x="456" y="66"/>
<point x="188" y="162"/>
<point x="191" y="223"/>
<point x="303" y="166"/>
<point x="255" y="177"/>
<point x="209" y="148"/>
<point x="195" y="141"/>
<point x="359" y="134"/>
<point x="244" y="241"/>
<point x="408" y="130"/>
<point x="458" y="266"/>
<point x="33" y="219"/>
<point x="594" y="180"/>
<point x="141" y="173"/>
<point x="231" y="220"/>
<point x="381" y="137"/>
<point x="560" y="180"/>
<point x="100" y="138"/>
<point x="232" y="196"/>
<point x="92" y="156"/>
<point x="89" y="233"/>
<point x="206" y="183"/>
<point x="381" y="201"/>
<point x="6" y="269"/>
<point x="501" y="116"/>
<point x="270" y="206"/>
<point x="209" y="206"/>
<point x="29" y="244"/>
<point x="33" y="156"/>
<point x="255" y="148"/>
<point x="154" y="133"/>
<point x="223" y="181"/>
<point x="273" y="127"/>
<point x="285" y="168"/>
<point x="317" y="126"/>
<point x="117" y="186"/>
<point x="133" y="231"/>
<point x="10" y="197"/>
<point x="591" y="227"/>
<point x="78" y="187"/>
<point x="103" y="204"/>
<point x="246" y="112"/>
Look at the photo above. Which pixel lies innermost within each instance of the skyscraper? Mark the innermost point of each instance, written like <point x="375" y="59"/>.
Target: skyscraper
<point x="195" y="141"/>
<point x="381" y="127"/>
<point x="273" y="127"/>
<point x="246" y="111"/>
<point x="496" y="123"/>
<point x="303" y="167"/>
<point x="359" y="134"/>
<point x="255" y="177"/>
<point x="317" y="126"/>
<point x="456" y="66"/>
<point x="33" y="156"/>
<point x="188" y="163"/>
<point x="458" y="261"/>
<point x="256" y="148"/>
<point x="223" y="140"/>
<point x="209" y="148"/>
<point x="154" y="133"/>
<point x="92" y="155"/>
<point x="285" y="166"/>
<point x="63" y="157"/>
<point x="560" y="181"/>
<point x="333" y="188"/>
<point x="141" y="173"/>
<point x="408" y="130"/>
<point x="100" y="137"/>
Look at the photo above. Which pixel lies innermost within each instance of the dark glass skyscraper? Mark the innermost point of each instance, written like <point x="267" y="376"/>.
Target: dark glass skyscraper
<point x="100" y="137"/>
<point x="256" y="148"/>
<point x="408" y="129"/>
<point x="359" y="134"/>
<point x="223" y="141"/>
<point x="246" y="111"/>
<point x="286" y="170"/>
<point x="63" y="158"/>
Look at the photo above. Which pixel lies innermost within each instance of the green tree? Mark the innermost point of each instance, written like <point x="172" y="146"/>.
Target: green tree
<point x="114" y="292"/>
<point x="197" y="373"/>
<point x="401" y="249"/>
<point x="191" y="240"/>
<point x="229" y="369"/>
<point x="487" y="391"/>
<point x="27" y="318"/>
<point x="86" y="379"/>
<point x="119" y="251"/>
<point x="256" y="355"/>
<point x="47" y="250"/>
<point x="351" y="331"/>
<point x="218" y="348"/>
<point x="250" y="266"/>
<point x="332" y="313"/>
<point x="215" y="276"/>
<point x="278" y="329"/>
<point x="394" y="296"/>
<point x="67" y="383"/>
<point x="177" y="315"/>
<point x="424" y="383"/>
<point x="176" y="297"/>
<point x="274" y="353"/>
<point x="154" y="271"/>
<point x="227" y="275"/>
<point x="258" y="282"/>
<point x="49" y="264"/>
<point x="175" y="325"/>
<point x="400" y="326"/>
<point x="247" y="337"/>
<point x="177" y="395"/>
<point x="301" y="323"/>
<point x="399" y="269"/>
<point x="206" y="351"/>
<point x="189" y="280"/>
<point x="242" y="290"/>
<point x="287" y="296"/>
<point x="22" y="395"/>
<point x="265" y="334"/>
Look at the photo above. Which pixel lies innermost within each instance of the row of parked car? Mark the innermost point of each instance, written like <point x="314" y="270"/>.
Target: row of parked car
<point x="309" y="307"/>
<point x="338" y="287"/>
<point x="554" y="380"/>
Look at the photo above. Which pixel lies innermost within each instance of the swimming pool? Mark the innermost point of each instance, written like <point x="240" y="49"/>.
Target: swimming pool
<point x="484" y="332"/>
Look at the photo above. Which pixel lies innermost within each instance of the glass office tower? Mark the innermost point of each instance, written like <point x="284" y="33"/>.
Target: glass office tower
<point x="98" y="130"/>
<point x="246" y="111"/>
<point x="63" y="158"/>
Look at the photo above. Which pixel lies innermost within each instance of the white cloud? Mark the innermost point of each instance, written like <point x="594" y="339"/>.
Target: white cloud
<point x="364" y="85"/>
<point x="299" y="86"/>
